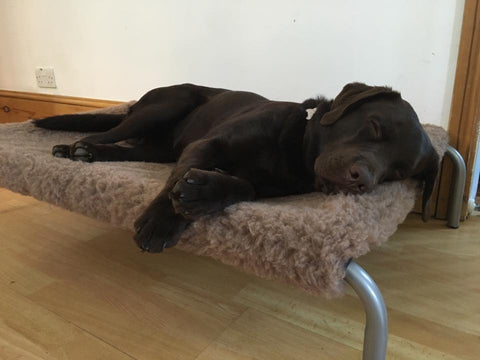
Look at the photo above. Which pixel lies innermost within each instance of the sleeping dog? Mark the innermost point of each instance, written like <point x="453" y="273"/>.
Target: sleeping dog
<point x="232" y="146"/>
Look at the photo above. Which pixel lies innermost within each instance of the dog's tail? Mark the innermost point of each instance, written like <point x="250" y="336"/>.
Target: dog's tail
<point x="80" y="122"/>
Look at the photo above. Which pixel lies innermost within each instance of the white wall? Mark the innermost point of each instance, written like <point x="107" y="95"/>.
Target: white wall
<point x="287" y="50"/>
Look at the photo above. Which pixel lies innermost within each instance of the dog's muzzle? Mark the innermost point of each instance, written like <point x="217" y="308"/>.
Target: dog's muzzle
<point x="357" y="179"/>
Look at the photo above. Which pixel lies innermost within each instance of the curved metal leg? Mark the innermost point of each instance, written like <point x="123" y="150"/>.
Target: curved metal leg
<point x="376" y="327"/>
<point x="458" y="187"/>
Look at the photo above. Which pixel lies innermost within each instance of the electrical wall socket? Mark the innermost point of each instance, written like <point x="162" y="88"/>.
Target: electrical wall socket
<point x="45" y="77"/>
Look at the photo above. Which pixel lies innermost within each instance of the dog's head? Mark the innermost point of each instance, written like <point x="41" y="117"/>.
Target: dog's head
<point x="369" y="135"/>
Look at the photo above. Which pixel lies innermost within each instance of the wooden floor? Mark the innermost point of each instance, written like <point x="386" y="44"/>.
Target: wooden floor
<point x="73" y="288"/>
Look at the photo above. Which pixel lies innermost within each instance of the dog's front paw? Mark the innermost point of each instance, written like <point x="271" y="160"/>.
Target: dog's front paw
<point x="79" y="151"/>
<point x="198" y="193"/>
<point x="156" y="230"/>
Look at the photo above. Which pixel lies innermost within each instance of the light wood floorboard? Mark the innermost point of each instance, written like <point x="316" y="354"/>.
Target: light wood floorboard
<point x="75" y="288"/>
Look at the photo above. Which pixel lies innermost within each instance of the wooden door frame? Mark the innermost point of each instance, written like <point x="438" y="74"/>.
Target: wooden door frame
<point x="463" y="128"/>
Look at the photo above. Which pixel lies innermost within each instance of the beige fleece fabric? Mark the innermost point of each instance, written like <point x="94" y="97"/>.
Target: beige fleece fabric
<point x="304" y="240"/>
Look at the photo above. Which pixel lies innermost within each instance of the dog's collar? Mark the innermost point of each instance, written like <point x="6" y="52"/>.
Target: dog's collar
<point x="310" y="113"/>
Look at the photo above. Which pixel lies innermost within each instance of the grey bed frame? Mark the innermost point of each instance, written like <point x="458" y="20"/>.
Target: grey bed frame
<point x="376" y="325"/>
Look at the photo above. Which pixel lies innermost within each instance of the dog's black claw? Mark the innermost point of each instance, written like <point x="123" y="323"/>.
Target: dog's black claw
<point x="194" y="177"/>
<point x="61" y="151"/>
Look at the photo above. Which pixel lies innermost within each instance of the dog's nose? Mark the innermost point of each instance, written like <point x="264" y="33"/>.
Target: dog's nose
<point x="360" y="178"/>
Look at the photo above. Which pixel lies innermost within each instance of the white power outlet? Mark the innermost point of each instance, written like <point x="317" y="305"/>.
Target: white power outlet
<point x="45" y="77"/>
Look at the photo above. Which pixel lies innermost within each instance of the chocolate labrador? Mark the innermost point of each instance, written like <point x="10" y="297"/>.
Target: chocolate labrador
<point x="233" y="146"/>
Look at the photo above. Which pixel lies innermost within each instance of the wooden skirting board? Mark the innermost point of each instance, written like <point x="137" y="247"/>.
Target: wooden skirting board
<point x="18" y="106"/>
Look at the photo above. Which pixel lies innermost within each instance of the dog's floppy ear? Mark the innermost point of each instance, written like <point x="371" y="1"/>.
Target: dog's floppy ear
<point x="428" y="177"/>
<point x="352" y="95"/>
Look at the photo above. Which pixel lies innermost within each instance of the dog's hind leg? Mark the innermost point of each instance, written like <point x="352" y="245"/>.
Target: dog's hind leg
<point x="152" y="120"/>
<point x="87" y="152"/>
<point x="142" y="122"/>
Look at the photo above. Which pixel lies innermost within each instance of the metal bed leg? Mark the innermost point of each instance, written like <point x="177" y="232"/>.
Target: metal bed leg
<point x="376" y="327"/>
<point x="458" y="187"/>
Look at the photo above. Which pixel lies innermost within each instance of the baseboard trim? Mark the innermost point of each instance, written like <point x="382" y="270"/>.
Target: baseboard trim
<point x="59" y="99"/>
<point x="17" y="106"/>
